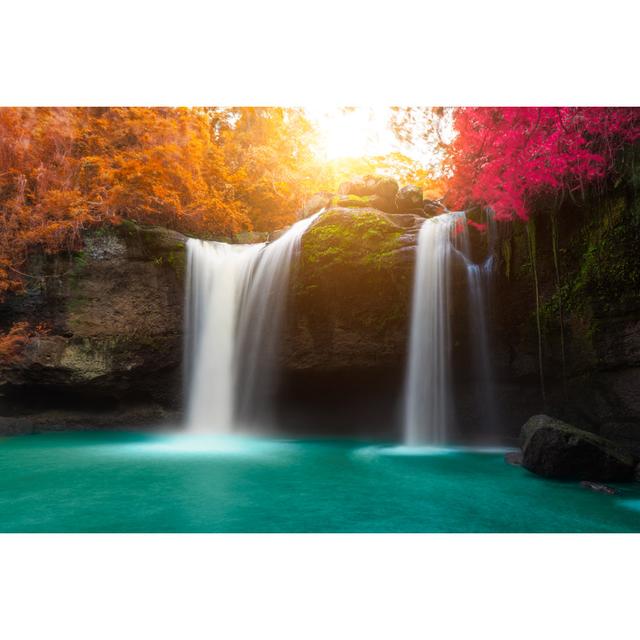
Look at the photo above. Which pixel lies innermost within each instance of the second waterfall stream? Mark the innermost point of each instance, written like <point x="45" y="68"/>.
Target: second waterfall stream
<point x="428" y="415"/>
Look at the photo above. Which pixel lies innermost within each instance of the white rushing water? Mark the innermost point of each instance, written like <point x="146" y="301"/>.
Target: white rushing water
<point x="260" y="323"/>
<point x="215" y="273"/>
<point x="428" y="385"/>
<point x="478" y="285"/>
<point x="236" y="301"/>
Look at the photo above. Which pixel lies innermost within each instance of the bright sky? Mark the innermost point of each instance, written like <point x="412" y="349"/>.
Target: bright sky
<point x="358" y="132"/>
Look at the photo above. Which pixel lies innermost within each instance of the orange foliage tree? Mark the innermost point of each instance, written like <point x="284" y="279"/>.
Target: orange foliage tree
<point x="64" y="169"/>
<point x="269" y="152"/>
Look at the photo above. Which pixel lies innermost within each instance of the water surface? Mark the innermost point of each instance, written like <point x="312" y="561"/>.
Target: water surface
<point x="126" y="482"/>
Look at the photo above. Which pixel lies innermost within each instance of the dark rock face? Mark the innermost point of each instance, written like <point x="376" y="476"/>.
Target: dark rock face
<point x="113" y="339"/>
<point x="346" y="336"/>
<point x="409" y="199"/>
<point x="352" y="291"/>
<point x="590" y="344"/>
<point x="555" y="449"/>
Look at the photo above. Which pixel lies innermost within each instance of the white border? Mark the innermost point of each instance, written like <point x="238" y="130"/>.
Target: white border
<point x="296" y="52"/>
<point x="318" y="587"/>
<point x="137" y="52"/>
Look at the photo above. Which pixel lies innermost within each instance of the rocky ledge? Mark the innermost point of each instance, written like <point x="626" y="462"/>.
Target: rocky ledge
<point x="377" y="192"/>
<point x="107" y="340"/>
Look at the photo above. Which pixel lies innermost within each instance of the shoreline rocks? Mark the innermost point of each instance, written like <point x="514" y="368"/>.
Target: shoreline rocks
<point x="554" y="449"/>
<point x="598" y="487"/>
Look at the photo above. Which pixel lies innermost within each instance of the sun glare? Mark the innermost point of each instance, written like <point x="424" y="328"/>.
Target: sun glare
<point x="356" y="132"/>
<point x="353" y="133"/>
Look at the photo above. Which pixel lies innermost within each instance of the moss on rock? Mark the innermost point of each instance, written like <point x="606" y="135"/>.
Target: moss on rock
<point x="351" y="291"/>
<point x="363" y="238"/>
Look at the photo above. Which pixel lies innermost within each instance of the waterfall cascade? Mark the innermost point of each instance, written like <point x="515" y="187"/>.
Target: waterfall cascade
<point x="236" y="299"/>
<point x="478" y="276"/>
<point x="427" y="393"/>
<point x="428" y="414"/>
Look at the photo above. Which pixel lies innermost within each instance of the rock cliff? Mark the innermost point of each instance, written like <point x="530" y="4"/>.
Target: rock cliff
<point x="108" y="349"/>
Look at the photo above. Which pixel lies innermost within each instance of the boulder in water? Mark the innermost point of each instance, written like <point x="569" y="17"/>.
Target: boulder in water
<point x="409" y="198"/>
<point x="555" y="449"/>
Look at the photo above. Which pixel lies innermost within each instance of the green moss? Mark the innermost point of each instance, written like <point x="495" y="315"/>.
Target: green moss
<point x="351" y="200"/>
<point x="608" y="276"/>
<point x="76" y="303"/>
<point x="349" y="269"/>
<point x="128" y="227"/>
<point x="78" y="265"/>
<point x="600" y="269"/>
<point x="79" y="260"/>
<point x="176" y="260"/>
<point x="359" y="238"/>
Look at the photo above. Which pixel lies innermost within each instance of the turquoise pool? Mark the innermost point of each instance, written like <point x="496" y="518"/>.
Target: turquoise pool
<point x="127" y="482"/>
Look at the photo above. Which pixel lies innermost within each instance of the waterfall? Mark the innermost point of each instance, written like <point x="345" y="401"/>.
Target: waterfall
<point x="478" y="283"/>
<point x="428" y="390"/>
<point x="236" y="301"/>
<point x="215" y="273"/>
<point x="262" y="309"/>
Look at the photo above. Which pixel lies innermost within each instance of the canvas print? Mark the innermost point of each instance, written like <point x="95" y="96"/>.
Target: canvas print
<point x="287" y="320"/>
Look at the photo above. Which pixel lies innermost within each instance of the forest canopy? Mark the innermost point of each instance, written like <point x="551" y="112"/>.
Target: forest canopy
<point x="213" y="172"/>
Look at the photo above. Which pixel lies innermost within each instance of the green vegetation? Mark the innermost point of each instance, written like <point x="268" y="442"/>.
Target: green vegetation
<point x="176" y="260"/>
<point x="356" y="238"/>
<point x="605" y="278"/>
<point x="349" y="270"/>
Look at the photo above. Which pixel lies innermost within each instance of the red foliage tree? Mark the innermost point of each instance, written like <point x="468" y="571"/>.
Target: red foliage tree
<point x="506" y="157"/>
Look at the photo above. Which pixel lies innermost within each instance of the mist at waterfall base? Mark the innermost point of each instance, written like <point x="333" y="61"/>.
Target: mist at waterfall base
<point x="236" y="305"/>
